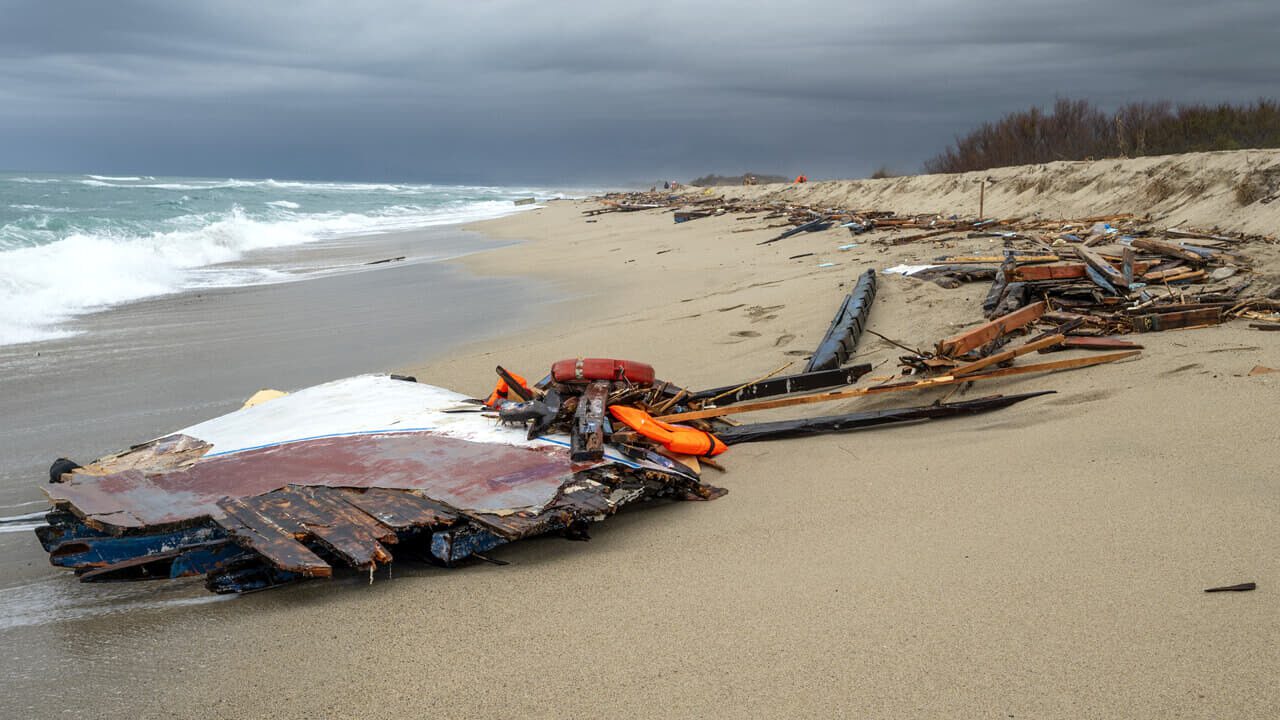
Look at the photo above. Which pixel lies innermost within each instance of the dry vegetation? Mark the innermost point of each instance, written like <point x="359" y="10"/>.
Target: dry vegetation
<point x="1078" y="130"/>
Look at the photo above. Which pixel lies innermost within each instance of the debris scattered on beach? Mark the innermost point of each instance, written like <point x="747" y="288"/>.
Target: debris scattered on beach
<point x="1101" y="275"/>
<point x="293" y="485"/>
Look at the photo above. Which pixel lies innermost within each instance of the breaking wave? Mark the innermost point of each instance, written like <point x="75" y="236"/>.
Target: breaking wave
<point x="125" y="238"/>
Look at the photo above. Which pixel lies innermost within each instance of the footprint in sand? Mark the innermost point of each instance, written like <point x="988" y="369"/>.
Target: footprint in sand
<point x="797" y="353"/>
<point x="783" y="340"/>
<point x="758" y="312"/>
<point x="745" y="333"/>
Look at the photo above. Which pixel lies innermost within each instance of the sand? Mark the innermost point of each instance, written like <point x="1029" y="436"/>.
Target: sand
<point x="1043" y="561"/>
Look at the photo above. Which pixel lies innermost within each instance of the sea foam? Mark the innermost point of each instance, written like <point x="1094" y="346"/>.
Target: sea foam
<point x="53" y="270"/>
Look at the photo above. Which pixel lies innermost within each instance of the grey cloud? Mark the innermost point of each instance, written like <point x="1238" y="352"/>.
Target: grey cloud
<point x="608" y="91"/>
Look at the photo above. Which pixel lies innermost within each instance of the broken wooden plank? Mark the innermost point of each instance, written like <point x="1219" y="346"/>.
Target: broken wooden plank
<point x="400" y="509"/>
<point x="997" y="358"/>
<point x="983" y="259"/>
<point x="339" y="526"/>
<point x="587" y="438"/>
<point x="940" y="381"/>
<point x="253" y="531"/>
<point x="920" y="236"/>
<point x="855" y="421"/>
<point x="1093" y="343"/>
<point x="1101" y="266"/>
<point x="1168" y="250"/>
<point x="1126" y="266"/>
<point x="1156" y="322"/>
<point x="1035" y="273"/>
<point x="785" y="385"/>
<point x="985" y="333"/>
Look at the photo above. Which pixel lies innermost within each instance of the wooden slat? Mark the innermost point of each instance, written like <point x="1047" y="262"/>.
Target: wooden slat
<point x="1010" y="354"/>
<point x="346" y="530"/>
<point x="987" y="259"/>
<point x="1104" y="268"/>
<point x="941" y="381"/>
<point x="400" y="509"/>
<point x="985" y="333"/>
<point x="1168" y="250"/>
<point x="1156" y="322"/>
<point x="1034" y="273"/>
<point x="252" y="530"/>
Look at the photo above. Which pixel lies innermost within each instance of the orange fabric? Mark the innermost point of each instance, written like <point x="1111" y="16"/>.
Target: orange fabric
<point x="802" y="179"/>
<point x="676" y="438"/>
<point x="501" y="390"/>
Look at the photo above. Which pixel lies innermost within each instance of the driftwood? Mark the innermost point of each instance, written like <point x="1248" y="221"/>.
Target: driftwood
<point x="940" y="381"/>
<point x="856" y="421"/>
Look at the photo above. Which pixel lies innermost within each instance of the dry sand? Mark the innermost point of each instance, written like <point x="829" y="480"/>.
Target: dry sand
<point x="1043" y="561"/>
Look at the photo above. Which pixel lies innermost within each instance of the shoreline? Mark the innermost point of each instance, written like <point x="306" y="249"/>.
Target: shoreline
<point x="1047" y="560"/>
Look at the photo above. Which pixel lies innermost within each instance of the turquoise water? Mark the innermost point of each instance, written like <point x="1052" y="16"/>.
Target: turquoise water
<point x="70" y="244"/>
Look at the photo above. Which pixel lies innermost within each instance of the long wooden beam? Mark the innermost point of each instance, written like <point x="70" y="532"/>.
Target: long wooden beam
<point x="997" y="358"/>
<point x="940" y="381"/>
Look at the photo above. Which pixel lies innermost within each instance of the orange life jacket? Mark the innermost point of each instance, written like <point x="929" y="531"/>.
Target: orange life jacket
<point x="676" y="438"/>
<point x="802" y="179"/>
<point x="501" y="390"/>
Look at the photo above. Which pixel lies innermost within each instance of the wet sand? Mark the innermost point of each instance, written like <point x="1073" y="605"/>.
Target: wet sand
<point x="1043" y="561"/>
<point x="141" y="370"/>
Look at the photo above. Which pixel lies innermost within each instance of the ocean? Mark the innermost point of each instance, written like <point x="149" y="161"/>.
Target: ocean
<point x="131" y="306"/>
<point x="72" y="244"/>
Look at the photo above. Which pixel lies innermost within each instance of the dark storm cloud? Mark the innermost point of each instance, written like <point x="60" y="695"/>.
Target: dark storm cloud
<point x="518" y="91"/>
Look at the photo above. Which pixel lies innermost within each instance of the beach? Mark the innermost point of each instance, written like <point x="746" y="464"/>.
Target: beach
<point x="1044" y="561"/>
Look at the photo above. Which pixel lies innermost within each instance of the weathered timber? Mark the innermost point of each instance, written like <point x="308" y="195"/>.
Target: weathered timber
<point x="964" y="342"/>
<point x="1101" y="266"/>
<point x="104" y="550"/>
<point x="587" y="439"/>
<point x="1035" y="273"/>
<point x="1190" y="234"/>
<point x="1168" y="250"/>
<point x="1101" y="281"/>
<point x="983" y="259"/>
<point x="1093" y="343"/>
<point x="940" y="381"/>
<point x="846" y="328"/>
<point x="1126" y="266"/>
<point x="1156" y="322"/>
<point x="856" y="421"/>
<point x="920" y="236"/>
<point x="400" y="509"/>
<point x="250" y="529"/>
<point x="187" y="561"/>
<point x="1006" y="355"/>
<point x="785" y="385"/>
<point x="340" y="527"/>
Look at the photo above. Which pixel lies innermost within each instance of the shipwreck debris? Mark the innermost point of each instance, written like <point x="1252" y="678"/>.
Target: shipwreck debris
<point x="846" y="328"/>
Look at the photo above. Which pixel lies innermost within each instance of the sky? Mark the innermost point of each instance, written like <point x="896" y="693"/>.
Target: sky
<point x="501" y="92"/>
